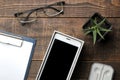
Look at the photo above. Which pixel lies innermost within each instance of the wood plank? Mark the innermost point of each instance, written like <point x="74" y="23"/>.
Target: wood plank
<point x="97" y="2"/>
<point x="34" y="69"/>
<point x="116" y="2"/>
<point x="84" y="9"/>
<point x="21" y="2"/>
<point x="42" y="31"/>
<point x="81" y="71"/>
<point x="39" y="2"/>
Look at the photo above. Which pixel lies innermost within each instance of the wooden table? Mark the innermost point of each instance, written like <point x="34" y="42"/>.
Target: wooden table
<point x="75" y="15"/>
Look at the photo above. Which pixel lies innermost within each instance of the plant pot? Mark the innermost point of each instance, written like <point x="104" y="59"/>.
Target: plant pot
<point x="99" y="18"/>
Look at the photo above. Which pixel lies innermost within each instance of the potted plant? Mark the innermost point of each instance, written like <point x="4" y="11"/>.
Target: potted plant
<point x="97" y="26"/>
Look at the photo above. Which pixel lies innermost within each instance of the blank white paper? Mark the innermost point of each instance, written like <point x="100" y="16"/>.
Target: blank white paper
<point x="14" y="60"/>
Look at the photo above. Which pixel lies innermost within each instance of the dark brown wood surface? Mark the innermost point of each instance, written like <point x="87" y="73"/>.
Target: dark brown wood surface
<point x="76" y="13"/>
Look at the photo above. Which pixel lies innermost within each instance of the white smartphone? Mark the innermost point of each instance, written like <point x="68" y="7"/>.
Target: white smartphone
<point x="60" y="58"/>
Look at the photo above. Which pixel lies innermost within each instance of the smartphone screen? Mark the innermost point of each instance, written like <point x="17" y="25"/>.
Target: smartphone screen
<point x="59" y="61"/>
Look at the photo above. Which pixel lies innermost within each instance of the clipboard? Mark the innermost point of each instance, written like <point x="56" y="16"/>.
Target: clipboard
<point x="15" y="56"/>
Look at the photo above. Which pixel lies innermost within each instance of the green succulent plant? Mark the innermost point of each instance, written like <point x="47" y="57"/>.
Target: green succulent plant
<point x="96" y="29"/>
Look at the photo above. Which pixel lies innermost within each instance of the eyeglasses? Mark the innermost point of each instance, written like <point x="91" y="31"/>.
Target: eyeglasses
<point x="51" y="10"/>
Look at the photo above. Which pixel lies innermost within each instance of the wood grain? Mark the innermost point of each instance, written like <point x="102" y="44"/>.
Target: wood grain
<point x="76" y="13"/>
<point x="42" y="31"/>
<point x="80" y="9"/>
<point x="42" y="2"/>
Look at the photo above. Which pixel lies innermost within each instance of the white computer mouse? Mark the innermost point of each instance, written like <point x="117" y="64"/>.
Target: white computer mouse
<point x="101" y="72"/>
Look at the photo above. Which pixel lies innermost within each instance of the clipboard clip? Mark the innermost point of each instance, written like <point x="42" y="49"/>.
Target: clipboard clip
<point x="11" y="39"/>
